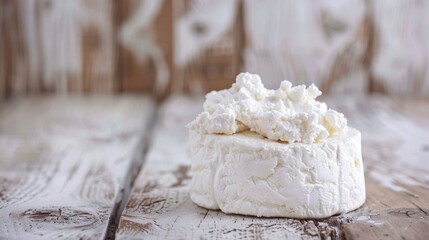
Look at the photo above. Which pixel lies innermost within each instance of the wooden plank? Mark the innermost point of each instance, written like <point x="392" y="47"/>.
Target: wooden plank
<point x="98" y="49"/>
<point x="397" y="69"/>
<point x="321" y="43"/>
<point x="65" y="164"/>
<point x="56" y="46"/>
<point x="76" y="45"/>
<point x="159" y="206"/>
<point x="395" y="152"/>
<point x="145" y="45"/>
<point x="208" y="51"/>
<point x="13" y="57"/>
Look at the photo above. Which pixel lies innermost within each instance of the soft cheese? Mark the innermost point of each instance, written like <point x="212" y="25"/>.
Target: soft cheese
<point x="288" y="114"/>
<point x="274" y="153"/>
<point x="247" y="174"/>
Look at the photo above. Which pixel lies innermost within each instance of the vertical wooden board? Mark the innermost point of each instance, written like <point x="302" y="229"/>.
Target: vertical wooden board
<point x="76" y="45"/>
<point x="56" y="46"/>
<point x="13" y="58"/>
<point x="144" y="37"/>
<point x="208" y="45"/>
<point x="65" y="163"/>
<point x="324" y="43"/>
<point x="98" y="46"/>
<point x="400" y="63"/>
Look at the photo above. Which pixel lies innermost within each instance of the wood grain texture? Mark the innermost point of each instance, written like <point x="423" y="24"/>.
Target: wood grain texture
<point x="324" y="43"/>
<point x="13" y="58"/>
<point x="145" y="45"/>
<point x="207" y="49"/>
<point x="401" y="47"/>
<point x="98" y="49"/>
<point x="395" y="155"/>
<point x="56" y="46"/>
<point x="350" y="46"/>
<point x="395" y="152"/>
<point x="64" y="164"/>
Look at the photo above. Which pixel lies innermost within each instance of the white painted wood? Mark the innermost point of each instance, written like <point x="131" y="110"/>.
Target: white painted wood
<point x="306" y="42"/>
<point x="59" y="46"/>
<point x="159" y="206"/>
<point x="352" y="46"/>
<point x="400" y="59"/>
<point x="395" y="151"/>
<point x="145" y="47"/>
<point x="216" y="17"/>
<point x="64" y="164"/>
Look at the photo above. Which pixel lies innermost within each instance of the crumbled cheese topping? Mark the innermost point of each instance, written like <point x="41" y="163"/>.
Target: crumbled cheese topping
<point x="289" y="114"/>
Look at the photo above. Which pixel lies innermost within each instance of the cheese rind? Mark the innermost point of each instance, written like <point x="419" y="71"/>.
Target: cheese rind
<point x="246" y="173"/>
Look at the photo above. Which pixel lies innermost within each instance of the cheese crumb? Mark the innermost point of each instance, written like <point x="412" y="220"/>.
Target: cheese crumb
<point x="289" y="114"/>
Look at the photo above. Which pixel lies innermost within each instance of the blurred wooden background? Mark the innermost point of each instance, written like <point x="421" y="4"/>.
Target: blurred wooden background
<point x="160" y="47"/>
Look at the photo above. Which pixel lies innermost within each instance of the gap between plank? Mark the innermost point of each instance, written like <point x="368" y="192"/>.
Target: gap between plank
<point x="139" y="157"/>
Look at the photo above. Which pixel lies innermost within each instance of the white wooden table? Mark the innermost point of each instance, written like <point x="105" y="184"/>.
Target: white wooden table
<point x="65" y="164"/>
<point x="66" y="167"/>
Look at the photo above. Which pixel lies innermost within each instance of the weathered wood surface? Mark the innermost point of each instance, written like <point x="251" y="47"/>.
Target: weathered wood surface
<point x="58" y="46"/>
<point x="352" y="46"/>
<point x="395" y="69"/>
<point x="208" y="48"/>
<point x="65" y="164"/>
<point x="395" y="147"/>
<point x="395" y="150"/>
<point x="145" y="46"/>
<point x="308" y="42"/>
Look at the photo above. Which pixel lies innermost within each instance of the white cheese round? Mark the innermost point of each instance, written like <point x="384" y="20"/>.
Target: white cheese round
<point x="245" y="173"/>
